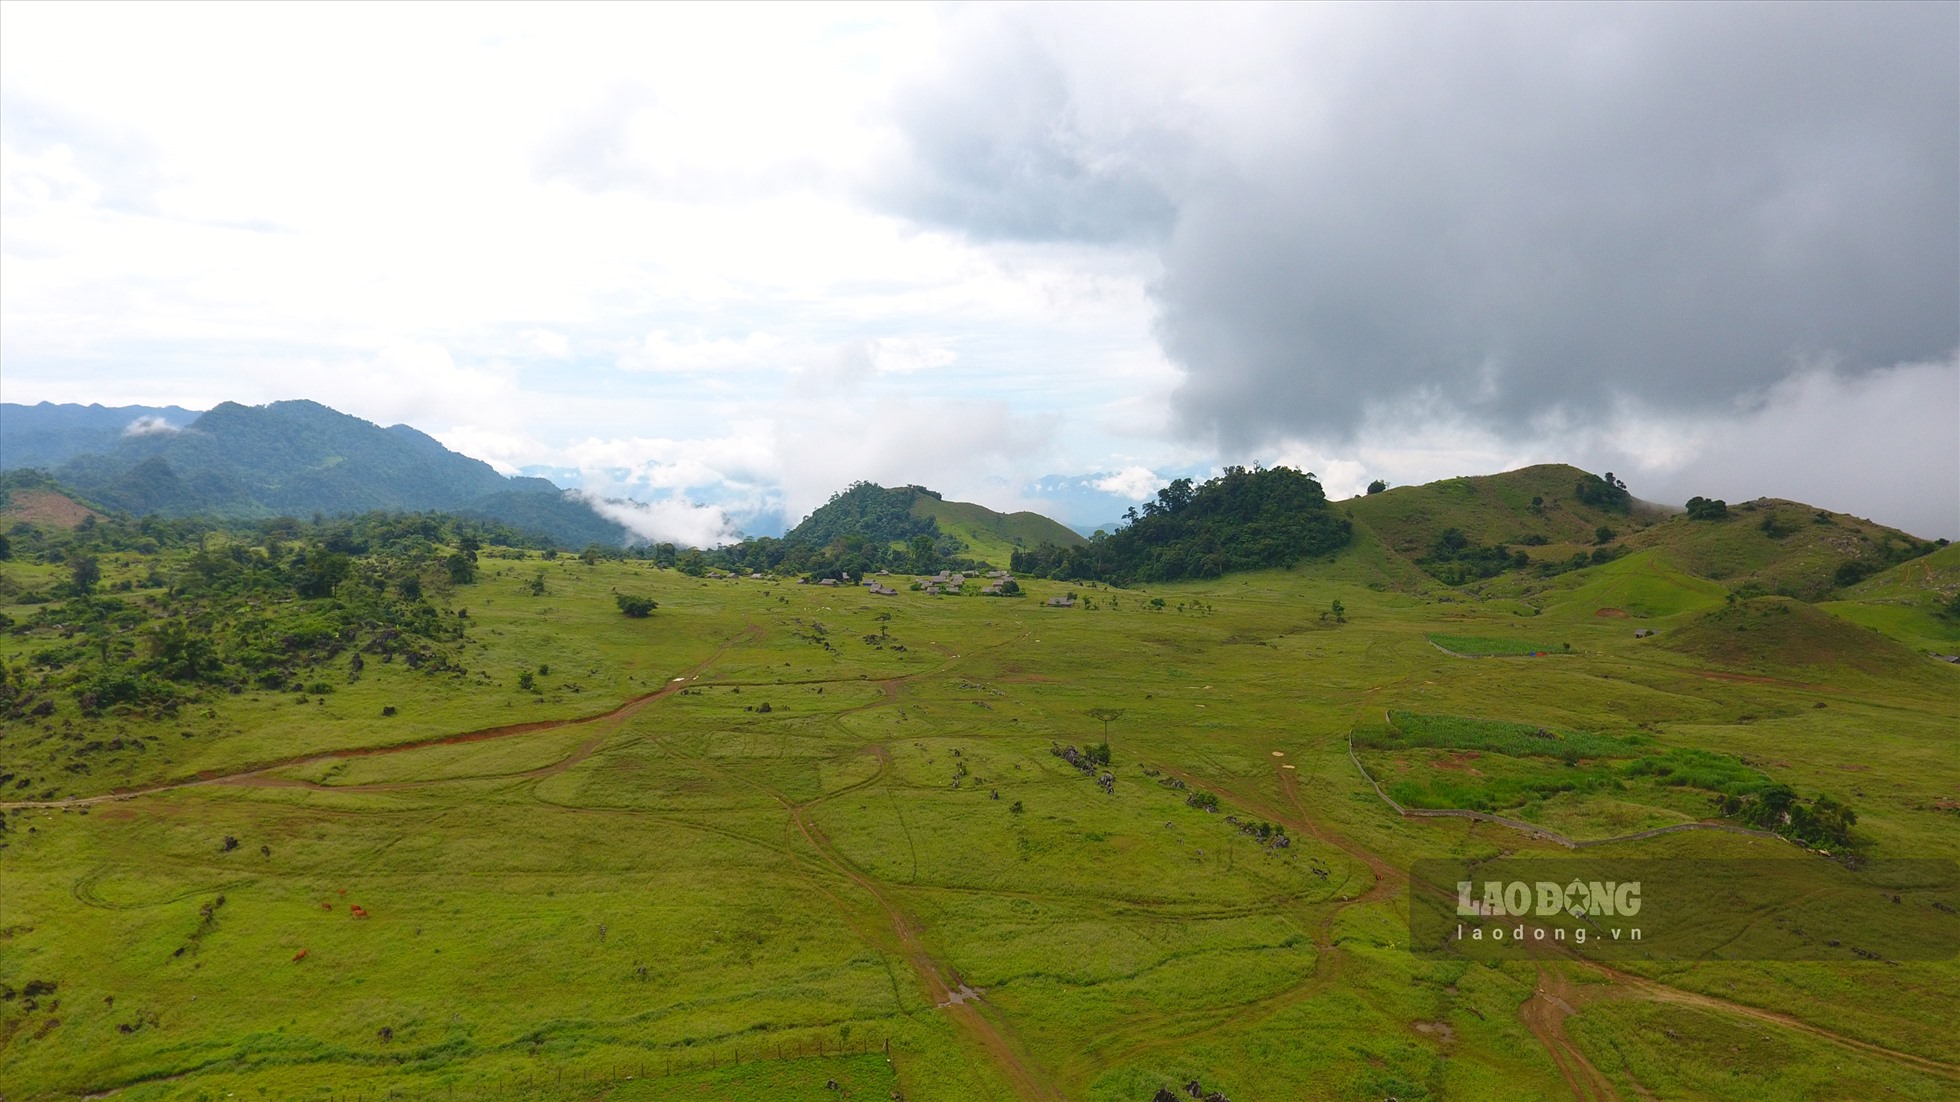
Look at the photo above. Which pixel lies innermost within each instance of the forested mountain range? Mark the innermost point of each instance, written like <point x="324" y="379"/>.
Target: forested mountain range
<point x="295" y="458"/>
<point x="48" y="435"/>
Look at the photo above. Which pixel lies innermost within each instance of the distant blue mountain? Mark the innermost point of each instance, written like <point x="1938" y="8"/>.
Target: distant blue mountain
<point x="288" y="458"/>
<point x="48" y="435"/>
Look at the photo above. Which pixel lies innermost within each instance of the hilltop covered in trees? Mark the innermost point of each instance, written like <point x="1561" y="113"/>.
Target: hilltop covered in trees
<point x="1245" y="519"/>
<point x="903" y="529"/>
<point x="860" y="530"/>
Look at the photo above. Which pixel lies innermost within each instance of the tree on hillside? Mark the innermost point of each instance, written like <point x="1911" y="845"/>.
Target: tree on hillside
<point x="1603" y="492"/>
<point x="1107" y="716"/>
<point x="1707" y="508"/>
<point x="636" y="607"/>
<point x="1377" y="486"/>
<point x="84" y="572"/>
<point x="316" y="573"/>
<point x="178" y="653"/>
<point x="923" y="556"/>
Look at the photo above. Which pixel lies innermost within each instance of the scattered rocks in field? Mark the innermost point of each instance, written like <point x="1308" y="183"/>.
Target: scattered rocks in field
<point x="1437" y="1029"/>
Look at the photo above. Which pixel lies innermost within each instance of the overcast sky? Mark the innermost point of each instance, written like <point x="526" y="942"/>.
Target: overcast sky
<point x="728" y="259"/>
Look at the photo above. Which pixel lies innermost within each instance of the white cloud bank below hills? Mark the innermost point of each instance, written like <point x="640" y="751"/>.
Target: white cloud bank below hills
<point x="678" y="522"/>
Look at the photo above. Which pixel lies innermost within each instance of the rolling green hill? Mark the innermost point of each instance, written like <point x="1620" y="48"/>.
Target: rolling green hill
<point x="879" y="525"/>
<point x="1503" y="535"/>
<point x="1782" y="547"/>
<point x="1642" y="586"/>
<point x="992" y="536"/>
<point x="1515" y="508"/>
<point x="1786" y="637"/>
<point x="1916" y="602"/>
<point x="1550" y="516"/>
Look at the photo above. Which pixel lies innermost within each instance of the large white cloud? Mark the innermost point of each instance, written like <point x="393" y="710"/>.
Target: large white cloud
<point x="682" y="523"/>
<point x="690" y="254"/>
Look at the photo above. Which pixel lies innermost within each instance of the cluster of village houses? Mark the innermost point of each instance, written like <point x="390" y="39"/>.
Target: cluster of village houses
<point x="944" y="582"/>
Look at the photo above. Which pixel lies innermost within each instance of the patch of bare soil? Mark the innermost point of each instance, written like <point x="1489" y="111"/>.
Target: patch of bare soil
<point x="1458" y="762"/>
<point x="47" y="507"/>
<point x="1544" y="1014"/>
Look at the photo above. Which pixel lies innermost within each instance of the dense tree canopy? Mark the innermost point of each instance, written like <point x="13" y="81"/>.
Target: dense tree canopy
<point x="281" y="604"/>
<point x="1245" y="519"/>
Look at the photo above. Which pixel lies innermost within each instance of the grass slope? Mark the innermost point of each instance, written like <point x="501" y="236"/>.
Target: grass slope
<point x="1779" y="635"/>
<point x="1490" y="509"/>
<point x="1774" y="546"/>
<point x="1910" y="602"/>
<point x="992" y="536"/>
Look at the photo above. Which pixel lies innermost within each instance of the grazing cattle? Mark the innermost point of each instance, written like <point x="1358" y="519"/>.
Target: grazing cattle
<point x="326" y="906"/>
<point x="356" y="911"/>
<point x="299" y="956"/>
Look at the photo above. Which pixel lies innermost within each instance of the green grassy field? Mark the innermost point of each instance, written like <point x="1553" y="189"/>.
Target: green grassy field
<point x="642" y="883"/>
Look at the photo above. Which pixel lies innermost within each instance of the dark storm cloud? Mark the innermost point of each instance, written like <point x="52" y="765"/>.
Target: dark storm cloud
<point x="1507" y="211"/>
<point x="1003" y="151"/>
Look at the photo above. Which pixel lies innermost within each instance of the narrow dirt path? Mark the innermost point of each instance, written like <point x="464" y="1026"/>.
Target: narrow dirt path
<point x="1329" y="959"/>
<point x="960" y="1002"/>
<point x="248" y="774"/>
<point x="1630" y="985"/>
<point x="942" y="986"/>
<point x="1544" y="1014"/>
